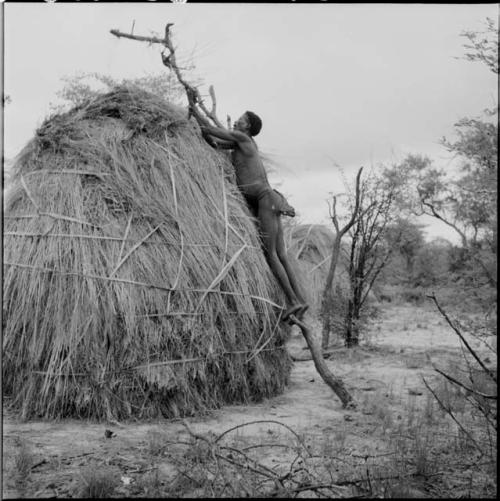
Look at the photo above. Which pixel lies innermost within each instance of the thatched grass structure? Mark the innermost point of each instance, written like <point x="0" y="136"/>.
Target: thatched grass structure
<point x="310" y="246"/>
<point x="134" y="282"/>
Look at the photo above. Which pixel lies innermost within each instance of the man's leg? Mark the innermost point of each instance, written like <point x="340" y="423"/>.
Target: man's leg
<point x="280" y="250"/>
<point x="269" y="226"/>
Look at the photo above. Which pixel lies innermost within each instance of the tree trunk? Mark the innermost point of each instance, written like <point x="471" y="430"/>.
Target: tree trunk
<point x="327" y="301"/>
<point x="330" y="379"/>
<point x="352" y="320"/>
<point x="349" y="325"/>
<point x="326" y="318"/>
<point x="354" y="333"/>
<point x="357" y="280"/>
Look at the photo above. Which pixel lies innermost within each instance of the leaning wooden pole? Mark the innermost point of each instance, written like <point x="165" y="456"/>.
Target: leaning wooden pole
<point x="334" y="382"/>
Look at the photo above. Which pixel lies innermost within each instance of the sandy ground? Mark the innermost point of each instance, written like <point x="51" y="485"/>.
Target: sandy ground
<point x="398" y="350"/>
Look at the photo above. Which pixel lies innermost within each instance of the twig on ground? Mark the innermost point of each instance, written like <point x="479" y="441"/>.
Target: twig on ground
<point x="262" y="421"/>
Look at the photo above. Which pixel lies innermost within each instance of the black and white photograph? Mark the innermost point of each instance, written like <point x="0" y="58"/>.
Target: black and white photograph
<point x="249" y="250"/>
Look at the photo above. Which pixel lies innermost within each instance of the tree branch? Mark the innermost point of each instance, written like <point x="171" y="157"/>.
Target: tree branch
<point x="466" y="388"/>
<point x="376" y="274"/>
<point x="335" y="255"/>
<point x="340" y="233"/>
<point x="460" y="335"/>
<point x="445" y="221"/>
<point x="450" y="413"/>
<point x="170" y="62"/>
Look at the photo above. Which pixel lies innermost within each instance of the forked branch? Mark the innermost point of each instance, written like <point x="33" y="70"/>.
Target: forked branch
<point x="170" y="61"/>
<point x="339" y="233"/>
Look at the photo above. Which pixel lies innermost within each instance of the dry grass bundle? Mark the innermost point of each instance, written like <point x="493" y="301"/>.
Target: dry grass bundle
<point x="134" y="282"/>
<point x="310" y="245"/>
<point x="310" y="242"/>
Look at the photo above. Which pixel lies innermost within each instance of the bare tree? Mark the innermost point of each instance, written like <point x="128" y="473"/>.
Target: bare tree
<point x="327" y="299"/>
<point x="369" y="252"/>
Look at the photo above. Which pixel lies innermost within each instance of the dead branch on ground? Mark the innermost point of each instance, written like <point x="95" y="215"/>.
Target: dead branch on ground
<point x="230" y="461"/>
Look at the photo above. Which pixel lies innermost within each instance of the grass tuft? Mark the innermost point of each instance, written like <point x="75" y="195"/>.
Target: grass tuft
<point x="98" y="482"/>
<point x="23" y="462"/>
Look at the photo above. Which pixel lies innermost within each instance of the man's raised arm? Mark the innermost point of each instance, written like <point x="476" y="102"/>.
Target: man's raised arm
<point x="224" y="145"/>
<point x="202" y="121"/>
<point x="193" y="110"/>
<point x="226" y="135"/>
<point x="229" y="138"/>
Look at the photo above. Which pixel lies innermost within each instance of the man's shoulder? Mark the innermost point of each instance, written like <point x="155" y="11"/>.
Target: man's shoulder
<point x="241" y="137"/>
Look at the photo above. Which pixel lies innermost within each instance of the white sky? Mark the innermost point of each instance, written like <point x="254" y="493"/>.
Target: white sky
<point x="335" y="84"/>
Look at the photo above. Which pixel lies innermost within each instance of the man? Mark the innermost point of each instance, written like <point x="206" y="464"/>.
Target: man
<point x="266" y="204"/>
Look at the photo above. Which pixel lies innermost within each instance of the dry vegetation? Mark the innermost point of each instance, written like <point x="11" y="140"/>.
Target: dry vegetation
<point x="400" y="442"/>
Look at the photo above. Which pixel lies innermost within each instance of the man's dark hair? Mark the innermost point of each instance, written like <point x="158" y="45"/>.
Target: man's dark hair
<point x="255" y="123"/>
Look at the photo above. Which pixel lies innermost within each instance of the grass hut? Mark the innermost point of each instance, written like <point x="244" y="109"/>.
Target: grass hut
<point x="134" y="283"/>
<point x="310" y="245"/>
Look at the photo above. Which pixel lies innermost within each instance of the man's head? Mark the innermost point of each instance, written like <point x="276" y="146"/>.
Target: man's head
<point x="249" y="123"/>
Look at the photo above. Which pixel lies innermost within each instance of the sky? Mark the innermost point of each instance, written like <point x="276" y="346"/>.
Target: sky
<point x="338" y="86"/>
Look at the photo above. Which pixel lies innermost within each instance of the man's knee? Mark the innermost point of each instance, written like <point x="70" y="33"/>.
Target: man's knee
<point x="271" y="255"/>
<point x="268" y="235"/>
<point x="280" y="250"/>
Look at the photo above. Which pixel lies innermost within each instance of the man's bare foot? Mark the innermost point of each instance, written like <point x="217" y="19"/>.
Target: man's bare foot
<point x="300" y="313"/>
<point x="291" y="311"/>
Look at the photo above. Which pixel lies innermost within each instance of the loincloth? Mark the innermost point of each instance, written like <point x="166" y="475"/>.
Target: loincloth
<point x="278" y="202"/>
